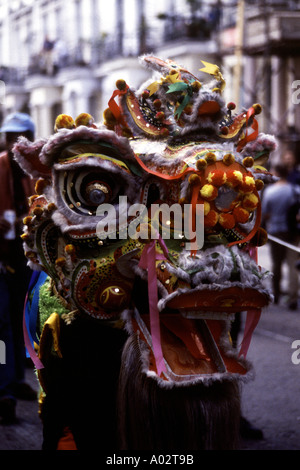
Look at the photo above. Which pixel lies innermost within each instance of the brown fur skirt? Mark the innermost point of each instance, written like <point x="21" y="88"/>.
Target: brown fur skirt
<point x="201" y="416"/>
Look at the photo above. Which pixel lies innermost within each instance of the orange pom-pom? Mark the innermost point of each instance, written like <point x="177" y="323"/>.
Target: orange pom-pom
<point x="257" y="108"/>
<point x="196" y="86"/>
<point x="227" y="220"/>
<point x="160" y="116"/>
<point x="259" y="184"/>
<point x="31" y="199"/>
<point x="70" y="249"/>
<point x="51" y="207"/>
<point x="250" y="202"/>
<point x="211" y="219"/>
<point x="40" y="185"/>
<point x="241" y="215"/>
<point x="126" y="132"/>
<point x="260" y="238"/>
<point x="224" y="130"/>
<point x="25" y="237"/>
<point x="201" y="164"/>
<point x="210" y="157"/>
<point x="121" y="84"/>
<point x="209" y="192"/>
<point x="248" y="162"/>
<point x="228" y="159"/>
<point x="60" y="261"/>
<point x="157" y="103"/>
<point x="248" y="184"/>
<point x="27" y="220"/>
<point x="63" y="121"/>
<point x="109" y="119"/>
<point x="31" y="255"/>
<point x="84" y="119"/>
<point x="216" y="177"/>
<point x="38" y="211"/>
<point x="194" y="180"/>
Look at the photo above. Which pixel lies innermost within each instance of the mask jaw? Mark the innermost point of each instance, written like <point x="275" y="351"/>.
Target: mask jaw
<point x="194" y="350"/>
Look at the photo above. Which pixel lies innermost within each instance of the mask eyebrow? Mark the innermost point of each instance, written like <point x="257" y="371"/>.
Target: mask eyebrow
<point x="82" y="146"/>
<point x="83" y="156"/>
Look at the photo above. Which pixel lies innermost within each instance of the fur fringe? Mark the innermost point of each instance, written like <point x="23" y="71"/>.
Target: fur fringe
<point x="198" y="417"/>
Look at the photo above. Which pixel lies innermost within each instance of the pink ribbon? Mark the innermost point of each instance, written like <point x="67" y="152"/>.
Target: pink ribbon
<point x="147" y="261"/>
<point x="252" y="320"/>
<point x="253" y="316"/>
<point x="31" y="351"/>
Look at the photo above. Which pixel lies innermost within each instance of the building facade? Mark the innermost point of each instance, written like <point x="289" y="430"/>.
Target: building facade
<point x="58" y="56"/>
<point x="261" y="52"/>
<point x="65" y="57"/>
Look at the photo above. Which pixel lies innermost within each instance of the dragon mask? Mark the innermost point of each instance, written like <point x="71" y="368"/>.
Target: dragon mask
<point x="151" y="222"/>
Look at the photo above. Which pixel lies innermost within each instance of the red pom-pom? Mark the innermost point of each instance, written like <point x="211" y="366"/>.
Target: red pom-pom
<point x="231" y="106"/>
<point x="241" y="215"/>
<point x="164" y="132"/>
<point x="216" y="177"/>
<point x="145" y="94"/>
<point x="248" y="184"/>
<point x="227" y="220"/>
<point x="250" y="202"/>
<point x="160" y="116"/>
<point x="157" y="104"/>
<point x="234" y="178"/>
<point x="224" y="130"/>
<point x="211" y="219"/>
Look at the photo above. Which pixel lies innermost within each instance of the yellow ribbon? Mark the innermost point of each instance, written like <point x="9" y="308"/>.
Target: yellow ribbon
<point x="50" y="335"/>
<point x="171" y="78"/>
<point x="213" y="70"/>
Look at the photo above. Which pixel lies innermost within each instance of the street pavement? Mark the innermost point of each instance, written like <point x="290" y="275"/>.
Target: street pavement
<point x="271" y="401"/>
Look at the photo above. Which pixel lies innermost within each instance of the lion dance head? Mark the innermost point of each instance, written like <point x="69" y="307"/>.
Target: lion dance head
<point x="151" y="221"/>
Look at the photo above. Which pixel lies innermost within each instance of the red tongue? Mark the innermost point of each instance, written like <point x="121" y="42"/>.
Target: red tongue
<point x="183" y="346"/>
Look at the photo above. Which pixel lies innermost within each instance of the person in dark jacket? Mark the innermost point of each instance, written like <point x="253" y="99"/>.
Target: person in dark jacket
<point x="15" y="188"/>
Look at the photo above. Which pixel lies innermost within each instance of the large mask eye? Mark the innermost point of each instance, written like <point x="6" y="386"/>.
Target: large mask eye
<point x="84" y="191"/>
<point x="98" y="193"/>
<point x="95" y="190"/>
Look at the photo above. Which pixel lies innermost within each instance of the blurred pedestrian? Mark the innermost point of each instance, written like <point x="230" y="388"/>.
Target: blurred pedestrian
<point x="15" y="188"/>
<point x="290" y="161"/>
<point x="47" y="53"/>
<point x="277" y="201"/>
